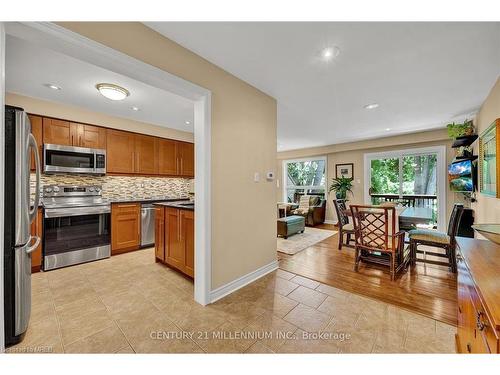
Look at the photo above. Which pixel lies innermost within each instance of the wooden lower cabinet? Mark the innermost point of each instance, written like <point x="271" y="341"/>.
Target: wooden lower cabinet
<point x="475" y="331"/>
<point x="125" y="227"/>
<point x="160" y="234"/>
<point x="177" y="226"/>
<point x="37" y="230"/>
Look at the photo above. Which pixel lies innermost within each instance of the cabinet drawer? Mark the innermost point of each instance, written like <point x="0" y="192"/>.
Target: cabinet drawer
<point x="484" y="327"/>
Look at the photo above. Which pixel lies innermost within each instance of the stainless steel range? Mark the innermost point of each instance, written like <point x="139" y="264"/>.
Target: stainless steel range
<point x="77" y="225"/>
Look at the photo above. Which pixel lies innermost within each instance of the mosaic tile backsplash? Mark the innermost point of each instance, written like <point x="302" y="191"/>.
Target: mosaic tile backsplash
<point x="123" y="186"/>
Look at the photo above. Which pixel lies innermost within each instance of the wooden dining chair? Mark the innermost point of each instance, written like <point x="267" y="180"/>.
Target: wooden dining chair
<point x="376" y="238"/>
<point x="431" y="237"/>
<point x="345" y="228"/>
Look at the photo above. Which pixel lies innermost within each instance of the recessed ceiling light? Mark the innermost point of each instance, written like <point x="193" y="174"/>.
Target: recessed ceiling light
<point x="135" y="109"/>
<point x="52" y="86"/>
<point x="387" y="129"/>
<point x="371" y="106"/>
<point x="188" y="122"/>
<point x="329" y="53"/>
<point x="111" y="91"/>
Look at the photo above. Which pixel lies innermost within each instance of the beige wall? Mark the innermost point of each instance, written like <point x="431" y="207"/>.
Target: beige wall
<point x="243" y="142"/>
<point x="67" y="112"/>
<point x="487" y="209"/>
<point x="354" y="153"/>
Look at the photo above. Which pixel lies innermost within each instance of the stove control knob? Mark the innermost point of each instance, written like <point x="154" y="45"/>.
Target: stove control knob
<point x="97" y="189"/>
<point x="56" y="189"/>
<point x="48" y="190"/>
<point x="91" y="189"/>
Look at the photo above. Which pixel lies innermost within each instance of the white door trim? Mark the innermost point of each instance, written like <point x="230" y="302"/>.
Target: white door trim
<point x="2" y="153"/>
<point x="65" y="41"/>
<point x="440" y="174"/>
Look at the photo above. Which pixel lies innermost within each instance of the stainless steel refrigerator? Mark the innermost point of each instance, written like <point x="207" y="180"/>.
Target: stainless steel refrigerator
<point x="20" y="211"/>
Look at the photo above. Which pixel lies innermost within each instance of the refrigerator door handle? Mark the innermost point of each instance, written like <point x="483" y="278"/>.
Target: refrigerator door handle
<point x="34" y="146"/>
<point x="33" y="247"/>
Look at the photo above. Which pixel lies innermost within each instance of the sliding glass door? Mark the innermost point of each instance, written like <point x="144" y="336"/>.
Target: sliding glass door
<point x="411" y="178"/>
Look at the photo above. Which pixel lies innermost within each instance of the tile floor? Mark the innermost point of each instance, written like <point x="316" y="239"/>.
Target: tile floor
<point x="129" y="303"/>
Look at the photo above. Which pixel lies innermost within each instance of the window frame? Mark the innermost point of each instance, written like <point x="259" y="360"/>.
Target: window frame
<point x="305" y="187"/>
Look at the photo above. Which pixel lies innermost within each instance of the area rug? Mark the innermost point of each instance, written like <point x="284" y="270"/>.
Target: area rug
<point x="300" y="241"/>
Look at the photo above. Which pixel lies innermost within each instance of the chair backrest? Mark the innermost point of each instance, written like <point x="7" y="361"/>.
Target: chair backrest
<point x="454" y="222"/>
<point x="340" y="208"/>
<point x="374" y="226"/>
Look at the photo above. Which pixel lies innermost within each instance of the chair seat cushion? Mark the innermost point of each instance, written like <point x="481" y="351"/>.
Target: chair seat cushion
<point x="429" y="235"/>
<point x="348" y="226"/>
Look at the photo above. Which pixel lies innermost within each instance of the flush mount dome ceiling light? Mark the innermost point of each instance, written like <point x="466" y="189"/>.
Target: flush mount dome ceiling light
<point x="371" y="106"/>
<point x="111" y="91"/>
<point x="52" y="86"/>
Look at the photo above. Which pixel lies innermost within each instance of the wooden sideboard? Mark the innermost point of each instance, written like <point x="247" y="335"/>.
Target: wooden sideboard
<point x="478" y="264"/>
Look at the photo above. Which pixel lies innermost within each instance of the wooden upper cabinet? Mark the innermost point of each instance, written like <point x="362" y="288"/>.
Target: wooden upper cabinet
<point x="167" y="157"/>
<point x="186" y="159"/>
<point x="58" y="132"/>
<point x="37" y="131"/>
<point x="146" y="154"/>
<point x="120" y="151"/>
<point x="88" y="136"/>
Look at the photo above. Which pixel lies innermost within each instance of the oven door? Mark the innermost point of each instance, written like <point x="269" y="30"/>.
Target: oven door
<point x="70" y="159"/>
<point x="76" y="235"/>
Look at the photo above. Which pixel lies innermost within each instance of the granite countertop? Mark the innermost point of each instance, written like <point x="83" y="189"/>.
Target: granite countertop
<point x="146" y="199"/>
<point x="183" y="205"/>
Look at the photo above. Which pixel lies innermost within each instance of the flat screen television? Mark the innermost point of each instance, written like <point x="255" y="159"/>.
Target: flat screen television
<point x="460" y="176"/>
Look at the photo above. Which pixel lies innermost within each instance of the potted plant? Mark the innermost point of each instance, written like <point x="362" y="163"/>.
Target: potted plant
<point x="460" y="130"/>
<point x="341" y="186"/>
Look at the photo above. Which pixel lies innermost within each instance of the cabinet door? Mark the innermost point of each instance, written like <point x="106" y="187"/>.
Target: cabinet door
<point x="167" y="157"/>
<point x="160" y="233"/>
<point x="188" y="240"/>
<point x="186" y="156"/>
<point x="120" y="151"/>
<point x="89" y="136"/>
<point x="58" y="132"/>
<point x="146" y="154"/>
<point x="175" y="254"/>
<point x="36" y="230"/>
<point x="125" y="227"/>
<point x="37" y="131"/>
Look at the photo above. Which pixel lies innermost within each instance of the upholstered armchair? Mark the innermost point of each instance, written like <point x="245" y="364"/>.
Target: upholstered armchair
<point x="312" y="208"/>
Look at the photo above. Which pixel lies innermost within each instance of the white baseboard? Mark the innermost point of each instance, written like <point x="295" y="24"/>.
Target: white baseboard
<point x="240" y="282"/>
<point x="334" y="222"/>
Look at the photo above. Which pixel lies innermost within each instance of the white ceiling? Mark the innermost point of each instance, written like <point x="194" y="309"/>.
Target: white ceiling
<point x="29" y="68"/>
<point x="422" y="74"/>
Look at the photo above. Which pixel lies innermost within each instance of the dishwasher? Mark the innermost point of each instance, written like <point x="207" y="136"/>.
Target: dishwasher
<point x="147" y="225"/>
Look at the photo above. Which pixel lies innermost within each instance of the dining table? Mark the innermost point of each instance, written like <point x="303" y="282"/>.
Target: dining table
<point x="409" y="217"/>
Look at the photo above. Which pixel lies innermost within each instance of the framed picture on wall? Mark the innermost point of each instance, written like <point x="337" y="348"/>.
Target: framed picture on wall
<point x="489" y="148"/>
<point x="344" y="170"/>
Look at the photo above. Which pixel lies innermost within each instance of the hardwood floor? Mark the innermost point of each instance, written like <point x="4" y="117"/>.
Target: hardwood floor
<point x="426" y="289"/>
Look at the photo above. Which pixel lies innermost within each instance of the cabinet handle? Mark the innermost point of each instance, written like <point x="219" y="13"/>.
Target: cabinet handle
<point x="72" y="142"/>
<point x="469" y="348"/>
<point x="80" y="140"/>
<point x="137" y="159"/>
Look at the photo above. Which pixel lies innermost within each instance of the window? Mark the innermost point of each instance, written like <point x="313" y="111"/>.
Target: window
<point x="304" y="176"/>
<point x="412" y="178"/>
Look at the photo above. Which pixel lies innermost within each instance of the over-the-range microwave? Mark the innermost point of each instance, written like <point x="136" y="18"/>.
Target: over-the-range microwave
<point x="71" y="159"/>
